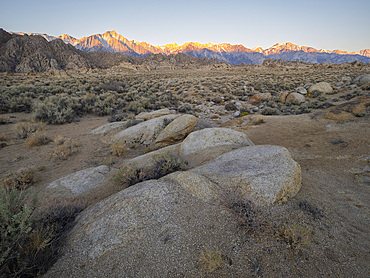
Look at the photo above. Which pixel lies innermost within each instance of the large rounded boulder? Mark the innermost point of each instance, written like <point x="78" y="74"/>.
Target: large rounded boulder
<point x="176" y="131"/>
<point x="266" y="174"/>
<point x="145" y="132"/>
<point x="322" y="88"/>
<point x="206" y="144"/>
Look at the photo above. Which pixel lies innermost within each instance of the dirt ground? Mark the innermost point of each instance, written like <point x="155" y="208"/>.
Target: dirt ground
<point x="330" y="153"/>
<point x="329" y="182"/>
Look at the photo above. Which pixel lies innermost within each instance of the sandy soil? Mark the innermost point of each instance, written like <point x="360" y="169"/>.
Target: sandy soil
<point x="329" y="182"/>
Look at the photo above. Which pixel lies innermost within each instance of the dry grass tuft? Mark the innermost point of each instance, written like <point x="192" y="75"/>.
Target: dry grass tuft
<point x="23" y="129"/>
<point x="210" y="260"/>
<point x="244" y="211"/>
<point x="19" y="180"/>
<point x="164" y="164"/>
<point x="3" y="137"/>
<point x="130" y="175"/>
<point x="38" y="139"/>
<point x="295" y="235"/>
<point x="119" y="148"/>
<point x="65" y="147"/>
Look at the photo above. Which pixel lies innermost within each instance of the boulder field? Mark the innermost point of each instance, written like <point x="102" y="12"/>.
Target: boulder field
<point x="157" y="228"/>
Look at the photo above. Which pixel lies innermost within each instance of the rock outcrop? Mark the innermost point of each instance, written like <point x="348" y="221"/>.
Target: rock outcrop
<point x="296" y="96"/>
<point x="256" y="98"/>
<point x="145" y="132"/>
<point x="302" y="90"/>
<point x="109" y="127"/>
<point x="152" y="229"/>
<point x="154" y="114"/>
<point x="206" y="144"/>
<point x="356" y="107"/>
<point x="322" y="87"/>
<point x="267" y="174"/>
<point x="176" y="216"/>
<point x="176" y="131"/>
<point x="81" y="182"/>
<point x="362" y="79"/>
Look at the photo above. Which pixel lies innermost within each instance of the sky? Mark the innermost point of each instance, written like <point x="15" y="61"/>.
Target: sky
<point x="324" y="24"/>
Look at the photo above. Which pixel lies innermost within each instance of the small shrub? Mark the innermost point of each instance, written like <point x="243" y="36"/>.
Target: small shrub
<point x="164" y="164"/>
<point x="132" y="121"/>
<point x="58" y="109"/>
<point x="59" y="140"/>
<point x="119" y="148"/>
<point x="315" y="94"/>
<point x="105" y="104"/>
<point x="15" y="227"/>
<point x="31" y="241"/>
<point x="20" y="104"/>
<point x="304" y="109"/>
<point x="115" y="117"/>
<point x="270" y="111"/>
<point x="244" y="114"/>
<point x="210" y="260"/>
<point x="38" y="139"/>
<point x="292" y="102"/>
<point x="310" y="208"/>
<point x="244" y="211"/>
<point x="322" y="98"/>
<point x="14" y="103"/>
<point x="24" y="128"/>
<point x="65" y="147"/>
<point x="19" y="180"/>
<point x="186" y="109"/>
<point x="48" y="237"/>
<point x="244" y="109"/>
<point x="41" y="168"/>
<point x="130" y="175"/>
<point x="167" y="163"/>
<point x="314" y="104"/>
<point x="294" y="235"/>
<point x="258" y="120"/>
<point x="4" y="121"/>
<point x="166" y="122"/>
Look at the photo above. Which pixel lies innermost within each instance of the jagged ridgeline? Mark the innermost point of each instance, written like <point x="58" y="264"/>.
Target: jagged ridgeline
<point x="23" y="53"/>
<point x="40" y="52"/>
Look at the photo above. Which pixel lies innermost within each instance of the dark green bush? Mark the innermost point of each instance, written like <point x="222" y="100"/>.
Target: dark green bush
<point x="292" y="102"/>
<point x="15" y="228"/>
<point x="106" y="104"/>
<point x="315" y="94"/>
<point x="58" y="109"/>
<point x="30" y="242"/>
<point x="15" y="103"/>
<point x="270" y="111"/>
<point x="186" y="108"/>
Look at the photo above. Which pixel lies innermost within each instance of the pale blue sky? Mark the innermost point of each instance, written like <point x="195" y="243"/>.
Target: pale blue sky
<point x="324" y="24"/>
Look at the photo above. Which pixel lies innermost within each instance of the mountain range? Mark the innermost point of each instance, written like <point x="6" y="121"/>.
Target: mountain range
<point x="33" y="53"/>
<point x="112" y="42"/>
<point x="20" y="52"/>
